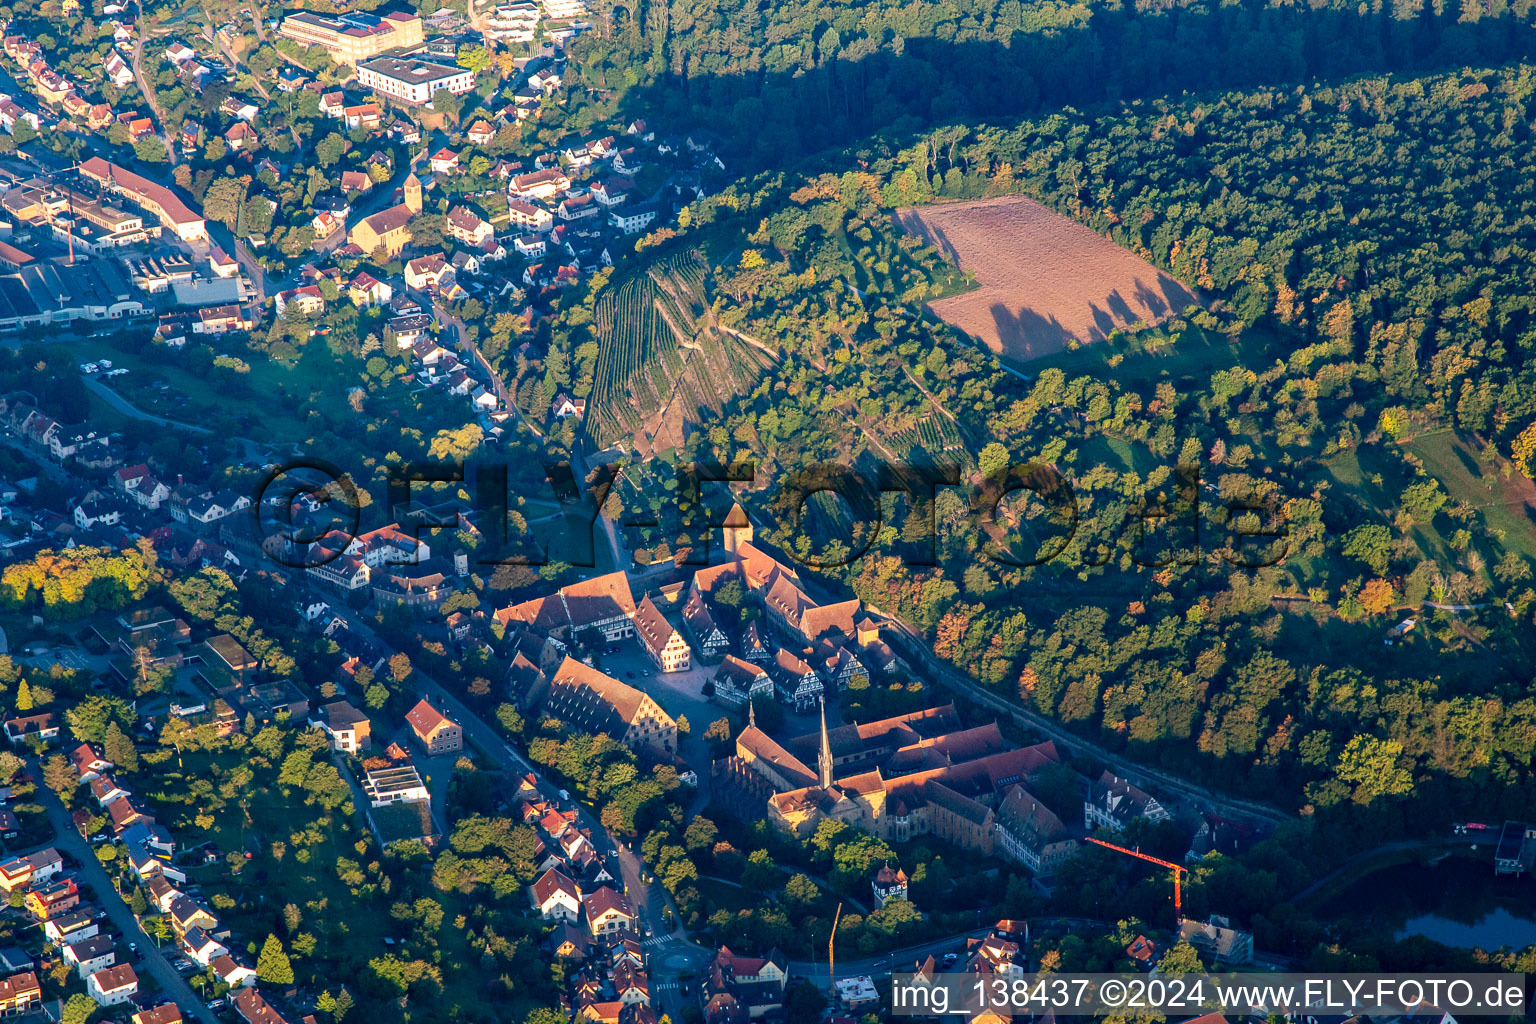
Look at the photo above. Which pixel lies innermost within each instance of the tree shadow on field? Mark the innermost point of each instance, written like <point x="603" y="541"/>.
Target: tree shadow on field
<point x="1026" y="334"/>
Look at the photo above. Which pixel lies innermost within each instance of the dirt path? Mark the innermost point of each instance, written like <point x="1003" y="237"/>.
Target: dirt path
<point x="127" y="408"/>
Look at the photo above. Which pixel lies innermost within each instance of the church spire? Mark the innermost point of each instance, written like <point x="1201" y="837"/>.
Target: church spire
<point x="824" y="759"/>
<point x="751" y="714"/>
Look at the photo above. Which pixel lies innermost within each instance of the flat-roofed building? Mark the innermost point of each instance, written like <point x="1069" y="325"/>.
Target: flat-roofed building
<point x="347" y="727"/>
<point x="396" y="784"/>
<point x="356" y="35"/>
<point x="412" y="79"/>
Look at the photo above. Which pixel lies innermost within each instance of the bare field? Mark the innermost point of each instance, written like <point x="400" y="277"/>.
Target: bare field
<point x="1045" y="279"/>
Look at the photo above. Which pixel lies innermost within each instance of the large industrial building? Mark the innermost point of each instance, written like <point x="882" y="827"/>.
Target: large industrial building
<point x="44" y="293"/>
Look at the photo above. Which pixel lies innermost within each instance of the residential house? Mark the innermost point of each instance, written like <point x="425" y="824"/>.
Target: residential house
<point x="90" y="955"/>
<point x="75" y="926"/>
<point x="232" y="973"/>
<point x="202" y="947"/>
<point x="425" y="273"/>
<point x="187" y="913"/>
<point x="241" y="110"/>
<point x="468" y="227"/>
<point x="53" y="899"/>
<point x="43" y="725"/>
<point x="112" y="985"/>
<point x="19" y="994"/>
<point x="308" y="300"/>
<point x="242" y="138"/>
<point x="523" y="214"/>
<point x="434" y="732"/>
<point x="254" y="1009"/>
<point x="556" y="896"/>
<point x="165" y="1013"/>
<point x="364" y="115"/>
<point x="223" y="320"/>
<point x="88" y="762"/>
<point x="367" y="290"/>
<point x="345" y="726"/>
<point x="607" y="911"/>
<point x="545" y="184"/>
<point x="564" y="405"/>
<point x="46" y="864"/>
<point x="633" y="219"/>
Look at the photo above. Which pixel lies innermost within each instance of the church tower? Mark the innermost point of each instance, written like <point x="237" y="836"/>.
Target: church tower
<point x="412" y="193"/>
<point x="824" y="759"/>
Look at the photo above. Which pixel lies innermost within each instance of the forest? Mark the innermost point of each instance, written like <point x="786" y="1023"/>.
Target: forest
<point x="782" y="81"/>
<point x="1359" y="381"/>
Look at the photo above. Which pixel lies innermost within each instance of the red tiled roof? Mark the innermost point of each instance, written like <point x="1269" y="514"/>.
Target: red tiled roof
<point x="425" y="720"/>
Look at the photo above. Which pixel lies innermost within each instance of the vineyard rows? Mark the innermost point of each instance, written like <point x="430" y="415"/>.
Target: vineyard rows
<point x="933" y="434"/>
<point x="655" y="350"/>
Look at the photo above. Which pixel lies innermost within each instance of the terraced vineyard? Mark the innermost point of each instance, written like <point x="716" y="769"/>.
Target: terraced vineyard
<point x="660" y="362"/>
<point x="933" y="435"/>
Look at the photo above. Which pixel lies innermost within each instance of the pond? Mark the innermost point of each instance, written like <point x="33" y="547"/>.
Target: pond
<point x="1458" y="902"/>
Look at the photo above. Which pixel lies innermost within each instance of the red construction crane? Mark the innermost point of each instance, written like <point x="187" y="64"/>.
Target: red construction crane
<point x="1178" y="870"/>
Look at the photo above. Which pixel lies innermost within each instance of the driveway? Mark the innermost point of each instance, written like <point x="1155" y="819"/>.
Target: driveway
<point x="92" y="874"/>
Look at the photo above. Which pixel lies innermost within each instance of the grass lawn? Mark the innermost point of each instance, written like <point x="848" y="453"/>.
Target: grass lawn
<point x="723" y="896"/>
<point x="275" y="402"/>
<point x="350" y="919"/>
<point x="1508" y="504"/>
<point x="1156" y="354"/>
<point x="1117" y="453"/>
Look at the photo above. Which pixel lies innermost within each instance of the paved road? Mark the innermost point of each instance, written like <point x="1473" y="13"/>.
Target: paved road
<point x="91" y="873"/>
<point x="127" y="408"/>
<point x="37" y="456"/>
